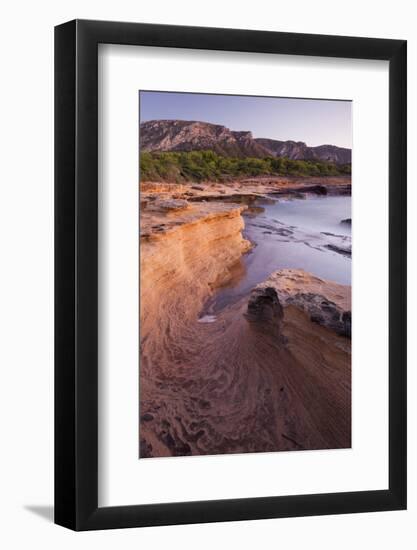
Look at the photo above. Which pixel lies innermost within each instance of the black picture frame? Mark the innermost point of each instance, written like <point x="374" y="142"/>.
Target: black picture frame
<point x="76" y="272"/>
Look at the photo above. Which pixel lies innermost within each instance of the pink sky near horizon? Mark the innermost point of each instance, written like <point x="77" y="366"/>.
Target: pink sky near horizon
<point x="314" y="121"/>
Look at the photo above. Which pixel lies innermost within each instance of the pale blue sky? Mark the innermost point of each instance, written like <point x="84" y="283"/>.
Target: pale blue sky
<point x="314" y="121"/>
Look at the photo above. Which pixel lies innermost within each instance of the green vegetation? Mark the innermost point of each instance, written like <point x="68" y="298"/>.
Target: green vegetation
<point x="208" y="166"/>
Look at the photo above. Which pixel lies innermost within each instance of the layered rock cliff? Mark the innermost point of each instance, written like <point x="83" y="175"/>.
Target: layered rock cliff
<point x="185" y="252"/>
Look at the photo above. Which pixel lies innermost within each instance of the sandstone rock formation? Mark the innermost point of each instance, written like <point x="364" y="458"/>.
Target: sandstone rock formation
<point x="184" y="253"/>
<point x="325" y="302"/>
<point x="227" y="385"/>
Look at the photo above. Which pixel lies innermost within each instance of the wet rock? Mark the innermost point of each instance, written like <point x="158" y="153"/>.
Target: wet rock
<point x="299" y="190"/>
<point x="325" y="302"/>
<point x="253" y="211"/>
<point x="347" y="324"/>
<point x="316" y="189"/>
<point x="323" y="312"/>
<point x="264" y="307"/>
<point x="328" y="234"/>
<point x="284" y="232"/>
<point x="339" y="190"/>
<point x="344" y="250"/>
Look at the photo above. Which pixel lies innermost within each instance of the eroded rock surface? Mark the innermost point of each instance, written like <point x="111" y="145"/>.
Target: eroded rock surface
<point x="172" y="205"/>
<point x="264" y="306"/>
<point x="325" y="302"/>
<point x="230" y="385"/>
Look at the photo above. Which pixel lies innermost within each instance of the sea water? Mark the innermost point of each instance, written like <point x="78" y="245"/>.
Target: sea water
<point x="303" y="234"/>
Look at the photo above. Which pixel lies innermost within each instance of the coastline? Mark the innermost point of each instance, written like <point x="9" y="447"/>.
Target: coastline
<point x="248" y="188"/>
<point x="276" y="380"/>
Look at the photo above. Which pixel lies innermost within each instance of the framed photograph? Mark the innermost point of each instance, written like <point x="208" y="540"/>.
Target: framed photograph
<point x="230" y="247"/>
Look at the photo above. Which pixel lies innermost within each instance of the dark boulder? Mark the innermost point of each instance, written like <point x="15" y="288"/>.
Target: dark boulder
<point x="264" y="310"/>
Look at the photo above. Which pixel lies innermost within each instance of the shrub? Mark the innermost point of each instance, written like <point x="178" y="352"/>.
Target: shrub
<point x="207" y="165"/>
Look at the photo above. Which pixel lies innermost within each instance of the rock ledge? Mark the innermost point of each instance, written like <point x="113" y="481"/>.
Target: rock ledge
<point x="327" y="303"/>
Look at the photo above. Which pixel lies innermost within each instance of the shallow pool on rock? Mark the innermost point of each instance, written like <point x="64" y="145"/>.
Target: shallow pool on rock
<point x="297" y="233"/>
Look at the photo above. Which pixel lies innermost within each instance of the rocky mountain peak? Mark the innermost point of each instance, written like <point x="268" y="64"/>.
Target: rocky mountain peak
<point x="191" y="135"/>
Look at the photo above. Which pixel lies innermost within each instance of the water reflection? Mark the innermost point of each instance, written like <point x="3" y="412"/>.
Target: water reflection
<point x="301" y="234"/>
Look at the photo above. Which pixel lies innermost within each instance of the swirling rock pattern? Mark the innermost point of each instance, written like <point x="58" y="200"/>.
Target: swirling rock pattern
<point x="261" y="375"/>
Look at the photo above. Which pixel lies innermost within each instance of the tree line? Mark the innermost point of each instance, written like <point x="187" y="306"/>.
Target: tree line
<point x="197" y="166"/>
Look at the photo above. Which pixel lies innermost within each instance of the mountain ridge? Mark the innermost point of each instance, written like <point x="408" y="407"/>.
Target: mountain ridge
<point x="187" y="135"/>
